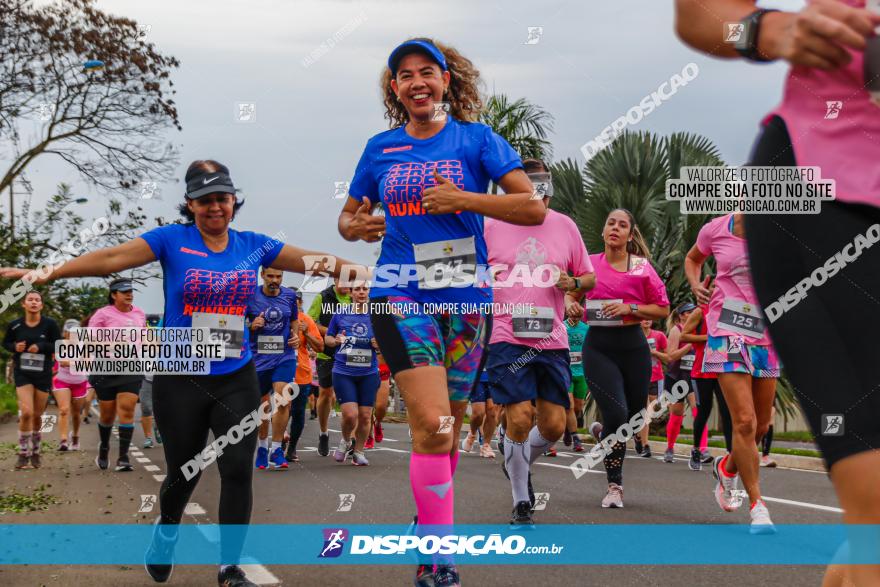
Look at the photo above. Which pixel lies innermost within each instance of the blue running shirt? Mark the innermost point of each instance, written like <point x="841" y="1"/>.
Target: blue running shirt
<point x="269" y="344"/>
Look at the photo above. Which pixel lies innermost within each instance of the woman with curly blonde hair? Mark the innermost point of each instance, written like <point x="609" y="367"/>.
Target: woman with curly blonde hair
<point x="430" y="172"/>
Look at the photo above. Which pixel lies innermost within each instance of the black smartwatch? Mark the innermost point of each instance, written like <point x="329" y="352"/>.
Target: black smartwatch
<point x="634" y="308"/>
<point x="746" y="43"/>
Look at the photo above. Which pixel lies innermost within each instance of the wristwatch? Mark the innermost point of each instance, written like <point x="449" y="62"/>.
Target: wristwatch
<point x="577" y="283"/>
<point x="634" y="308"/>
<point x="746" y="43"/>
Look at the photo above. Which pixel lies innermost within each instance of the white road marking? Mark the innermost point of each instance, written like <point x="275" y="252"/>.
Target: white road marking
<point x="803" y="504"/>
<point x="194" y="509"/>
<point x="143" y="460"/>
<point x="391" y="449"/>
<point x="159" y="478"/>
<point x="260" y="575"/>
<point x="151" y="468"/>
<point x="568" y="467"/>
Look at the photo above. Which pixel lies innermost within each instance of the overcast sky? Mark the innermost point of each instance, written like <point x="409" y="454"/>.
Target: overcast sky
<point x="593" y="62"/>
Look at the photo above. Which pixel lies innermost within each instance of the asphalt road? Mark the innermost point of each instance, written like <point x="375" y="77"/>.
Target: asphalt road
<point x="308" y="493"/>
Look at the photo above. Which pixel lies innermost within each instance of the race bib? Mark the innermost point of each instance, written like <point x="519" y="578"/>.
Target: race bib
<point x="446" y="263"/>
<point x="533" y="322"/>
<point x="595" y="315"/>
<point x="358" y="358"/>
<point x="742" y="318"/>
<point x="31" y="362"/>
<point x="226" y="328"/>
<point x="270" y="345"/>
<point x="687" y="362"/>
<point x="652" y="343"/>
<point x="577" y="358"/>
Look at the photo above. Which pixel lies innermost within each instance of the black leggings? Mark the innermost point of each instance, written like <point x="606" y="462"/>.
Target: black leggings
<point x="617" y="366"/>
<point x="298" y="414"/>
<point x="827" y="341"/>
<point x="187" y="407"/>
<point x="707" y="391"/>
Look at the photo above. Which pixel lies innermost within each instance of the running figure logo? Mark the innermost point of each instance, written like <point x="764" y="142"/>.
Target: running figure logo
<point x="541" y="500"/>
<point x="832" y="109"/>
<point x="147" y="503"/>
<point x="441" y="109"/>
<point x="735" y="31"/>
<point x="832" y="424"/>
<point x="446" y="423"/>
<point x="246" y="112"/>
<point x="48" y="423"/>
<point x="334" y="541"/>
<point x="340" y="190"/>
<point x="534" y="37"/>
<point x="346" y="501"/>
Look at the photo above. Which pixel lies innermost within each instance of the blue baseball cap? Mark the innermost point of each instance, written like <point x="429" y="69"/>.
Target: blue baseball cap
<point x="413" y="46"/>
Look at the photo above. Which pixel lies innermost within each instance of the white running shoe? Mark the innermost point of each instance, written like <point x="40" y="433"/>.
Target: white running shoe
<point x="614" y="497"/>
<point x="761" y="522"/>
<point x="341" y="451"/>
<point x="467" y="445"/>
<point x="726" y="492"/>
<point x="486" y="451"/>
<point x="359" y="460"/>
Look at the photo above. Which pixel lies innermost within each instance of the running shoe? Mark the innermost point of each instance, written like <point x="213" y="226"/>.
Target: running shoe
<point x="669" y="456"/>
<point x="521" y="517"/>
<point x="596" y="431"/>
<point x="761" y="523"/>
<point x="262" y="461"/>
<point x="158" y="560"/>
<point x="102" y="460"/>
<point x="638" y="445"/>
<point x="148" y="442"/>
<point x="277" y="459"/>
<point x="767" y="461"/>
<point x="22" y="462"/>
<point x="62" y="446"/>
<point x="646" y="452"/>
<point x="324" y="444"/>
<point x="566" y="438"/>
<point x="74" y="445"/>
<point x="313" y="415"/>
<point x="446" y="576"/>
<point x="158" y="436"/>
<point x="341" y="451"/>
<point x="123" y="464"/>
<point x="35" y="460"/>
<point x="706" y="457"/>
<point x="486" y="451"/>
<point x="370" y="443"/>
<point x="467" y="445"/>
<point x="696" y="461"/>
<point x="358" y="459"/>
<point x="550" y="452"/>
<point x="576" y="441"/>
<point x="378" y="433"/>
<point x="233" y="576"/>
<point x="291" y="455"/>
<point x="614" y="497"/>
<point x="86" y="420"/>
<point x="725" y="488"/>
<point x="424" y="576"/>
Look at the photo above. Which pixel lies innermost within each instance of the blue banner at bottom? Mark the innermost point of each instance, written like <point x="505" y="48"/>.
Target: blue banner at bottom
<point x="354" y="544"/>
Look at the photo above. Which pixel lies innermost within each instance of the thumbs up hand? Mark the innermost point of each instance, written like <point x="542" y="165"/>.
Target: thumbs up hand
<point x="444" y="198"/>
<point x="258" y="322"/>
<point x="364" y="225"/>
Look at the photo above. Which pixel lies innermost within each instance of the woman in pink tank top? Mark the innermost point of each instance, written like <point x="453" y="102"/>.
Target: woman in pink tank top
<point x="816" y="275"/>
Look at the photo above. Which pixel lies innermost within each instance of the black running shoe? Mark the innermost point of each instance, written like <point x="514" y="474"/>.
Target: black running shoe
<point x="232" y="576"/>
<point x="446" y="576"/>
<point x="521" y="515"/>
<point x="646" y="452"/>
<point x="566" y="438"/>
<point x="157" y="559"/>
<point x="695" y="464"/>
<point x="324" y="444"/>
<point x="102" y="459"/>
<point x="639" y="447"/>
<point x="424" y="576"/>
<point x="123" y="464"/>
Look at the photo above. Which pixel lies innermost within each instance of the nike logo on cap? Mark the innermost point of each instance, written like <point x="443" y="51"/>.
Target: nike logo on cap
<point x="207" y="181"/>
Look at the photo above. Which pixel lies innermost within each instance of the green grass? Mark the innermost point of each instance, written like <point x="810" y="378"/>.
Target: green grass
<point x="8" y="399"/>
<point x="775" y="450"/>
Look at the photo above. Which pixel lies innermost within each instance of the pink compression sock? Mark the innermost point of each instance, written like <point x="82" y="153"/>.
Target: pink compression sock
<point x="431" y="479"/>
<point x="673" y="427"/>
<point x="453" y="461"/>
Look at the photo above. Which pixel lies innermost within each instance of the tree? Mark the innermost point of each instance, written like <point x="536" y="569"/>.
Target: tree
<point x="522" y="124"/>
<point x="106" y="122"/>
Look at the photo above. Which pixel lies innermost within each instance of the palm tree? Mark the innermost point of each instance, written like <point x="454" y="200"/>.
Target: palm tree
<point x="631" y="173"/>
<point x="522" y="124"/>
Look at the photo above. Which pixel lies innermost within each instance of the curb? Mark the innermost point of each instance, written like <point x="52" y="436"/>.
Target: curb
<point x="782" y="461"/>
